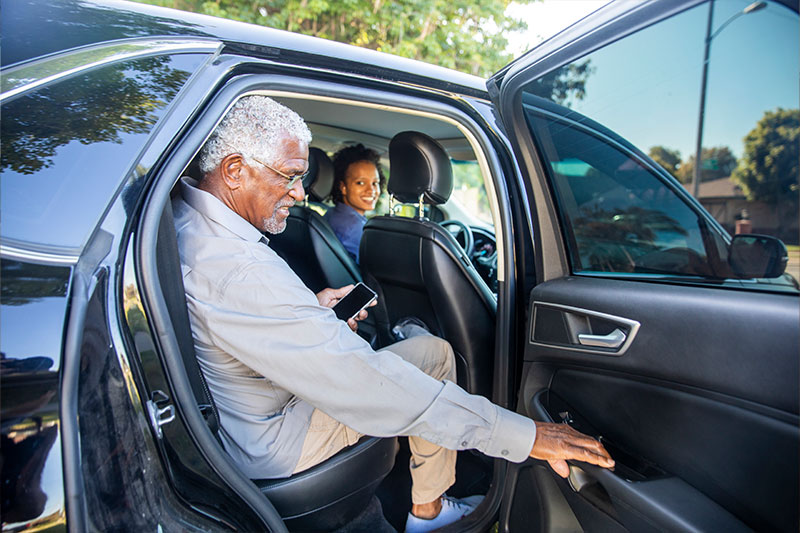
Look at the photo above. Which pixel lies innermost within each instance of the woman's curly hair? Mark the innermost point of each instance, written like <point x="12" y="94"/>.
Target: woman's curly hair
<point x="346" y="157"/>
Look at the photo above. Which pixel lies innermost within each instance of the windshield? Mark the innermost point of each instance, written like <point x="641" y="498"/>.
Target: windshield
<point x="469" y="202"/>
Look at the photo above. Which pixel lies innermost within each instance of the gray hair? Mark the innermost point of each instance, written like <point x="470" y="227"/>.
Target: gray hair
<point x="252" y="128"/>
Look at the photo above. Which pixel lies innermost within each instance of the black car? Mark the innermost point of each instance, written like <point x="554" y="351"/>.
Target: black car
<point x="576" y="278"/>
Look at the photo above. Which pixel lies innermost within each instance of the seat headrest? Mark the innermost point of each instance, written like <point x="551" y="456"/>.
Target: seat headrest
<point x="319" y="182"/>
<point x="419" y="165"/>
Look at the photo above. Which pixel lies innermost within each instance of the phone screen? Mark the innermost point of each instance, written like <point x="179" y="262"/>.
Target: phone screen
<point x="354" y="301"/>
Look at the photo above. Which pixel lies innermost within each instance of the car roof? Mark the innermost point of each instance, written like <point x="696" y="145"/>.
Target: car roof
<point x="32" y="29"/>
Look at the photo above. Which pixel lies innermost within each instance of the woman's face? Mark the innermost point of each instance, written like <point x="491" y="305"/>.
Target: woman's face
<point x="361" y="186"/>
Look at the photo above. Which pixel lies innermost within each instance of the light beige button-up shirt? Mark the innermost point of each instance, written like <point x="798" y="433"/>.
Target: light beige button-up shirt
<point x="271" y="354"/>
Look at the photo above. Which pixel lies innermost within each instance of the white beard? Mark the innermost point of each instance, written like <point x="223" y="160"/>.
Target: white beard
<point x="273" y="225"/>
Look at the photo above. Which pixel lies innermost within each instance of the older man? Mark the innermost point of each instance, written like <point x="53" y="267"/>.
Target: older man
<point x="294" y="384"/>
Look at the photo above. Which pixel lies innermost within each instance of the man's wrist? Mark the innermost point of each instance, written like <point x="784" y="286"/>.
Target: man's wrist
<point x="514" y="436"/>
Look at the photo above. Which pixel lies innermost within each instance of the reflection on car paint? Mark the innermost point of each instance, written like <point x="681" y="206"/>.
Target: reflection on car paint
<point x="30" y="475"/>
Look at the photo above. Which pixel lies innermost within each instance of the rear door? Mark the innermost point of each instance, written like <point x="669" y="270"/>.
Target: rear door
<point x="638" y="330"/>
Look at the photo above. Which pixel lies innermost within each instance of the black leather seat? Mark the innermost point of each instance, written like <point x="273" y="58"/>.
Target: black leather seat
<point x="333" y="493"/>
<point x="319" y="182"/>
<point x="322" y="498"/>
<point x="309" y="244"/>
<point x="419" y="270"/>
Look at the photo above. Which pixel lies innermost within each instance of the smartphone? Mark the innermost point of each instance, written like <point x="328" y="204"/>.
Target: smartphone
<point x="354" y="301"/>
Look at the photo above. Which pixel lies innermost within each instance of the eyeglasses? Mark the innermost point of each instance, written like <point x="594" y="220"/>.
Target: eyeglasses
<point x="291" y="179"/>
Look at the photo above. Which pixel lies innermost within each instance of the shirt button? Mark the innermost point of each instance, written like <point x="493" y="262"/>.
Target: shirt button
<point x="504" y="453"/>
<point x="464" y="443"/>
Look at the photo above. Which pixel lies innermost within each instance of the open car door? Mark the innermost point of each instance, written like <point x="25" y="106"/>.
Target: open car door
<point x="644" y="327"/>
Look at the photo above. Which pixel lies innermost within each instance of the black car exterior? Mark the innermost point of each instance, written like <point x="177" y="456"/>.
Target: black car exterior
<point x="99" y="99"/>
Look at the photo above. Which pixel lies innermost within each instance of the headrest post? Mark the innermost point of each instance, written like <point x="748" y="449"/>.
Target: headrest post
<point x="391" y="205"/>
<point x="420" y="208"/>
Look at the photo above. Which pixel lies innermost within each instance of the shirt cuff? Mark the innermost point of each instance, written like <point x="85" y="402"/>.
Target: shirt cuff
<point x="512" y="437"/>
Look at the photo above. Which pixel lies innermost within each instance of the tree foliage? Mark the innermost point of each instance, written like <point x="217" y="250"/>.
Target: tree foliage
<point x="718" y="162"/>
<point x="669" y="159"/>
<point x="459" y="34"/>
<point x="769" y="169"/>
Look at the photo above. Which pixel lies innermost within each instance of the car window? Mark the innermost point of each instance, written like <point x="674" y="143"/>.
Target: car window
<point x="650" y="88"/>
<point x="619" y="215"/>
<point x="70" y="143"/>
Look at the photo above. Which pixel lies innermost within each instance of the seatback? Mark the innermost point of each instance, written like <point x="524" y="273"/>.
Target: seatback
<point x="419" y="270"/>
<point x="309" y="245"/>
<point x="319" y="181"/>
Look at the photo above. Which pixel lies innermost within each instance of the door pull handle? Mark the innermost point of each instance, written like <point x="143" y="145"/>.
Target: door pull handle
<point x="615" y="339"/>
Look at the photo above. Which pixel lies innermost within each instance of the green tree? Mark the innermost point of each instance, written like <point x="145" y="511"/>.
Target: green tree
<point x="669" y="159"/>
<point x="459" y="34"/>
<point x="768" y="169"/>
<point x="718" y="162"/>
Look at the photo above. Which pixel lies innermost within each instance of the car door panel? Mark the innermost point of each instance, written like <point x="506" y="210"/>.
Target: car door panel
<point x="646" y="337"/>
<point x="700" y="416"/>
<point x="740" y="343"/>
<point x="637" y="492"/>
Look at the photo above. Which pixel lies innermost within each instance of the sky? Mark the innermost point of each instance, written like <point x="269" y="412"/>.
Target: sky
<point x="546" y="18"/>
<point x="646" y="87"/>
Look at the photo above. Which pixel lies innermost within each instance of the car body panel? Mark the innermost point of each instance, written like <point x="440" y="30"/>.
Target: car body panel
<point x="29" y="371"/>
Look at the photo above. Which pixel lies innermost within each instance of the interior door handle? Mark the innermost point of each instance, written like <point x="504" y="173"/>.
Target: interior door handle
<point x="612" y="340"/>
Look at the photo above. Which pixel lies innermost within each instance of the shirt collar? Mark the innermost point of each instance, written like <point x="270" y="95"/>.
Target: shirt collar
<point x="213" y="208"/>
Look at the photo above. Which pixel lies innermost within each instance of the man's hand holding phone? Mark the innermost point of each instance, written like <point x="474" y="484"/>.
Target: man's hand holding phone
<point x="349" y="302"/>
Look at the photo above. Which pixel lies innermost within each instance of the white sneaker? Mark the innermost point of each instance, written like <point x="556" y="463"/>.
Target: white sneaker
<point x="453" y="509"/>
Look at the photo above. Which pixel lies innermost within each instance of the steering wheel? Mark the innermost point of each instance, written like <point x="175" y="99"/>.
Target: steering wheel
<point x="469" y="239"/>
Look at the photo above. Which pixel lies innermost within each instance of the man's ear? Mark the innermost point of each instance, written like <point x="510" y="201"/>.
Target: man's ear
<point x="232" y="169"/>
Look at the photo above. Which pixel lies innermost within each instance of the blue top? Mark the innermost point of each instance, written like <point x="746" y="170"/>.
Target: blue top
<point x="348" y="225"/>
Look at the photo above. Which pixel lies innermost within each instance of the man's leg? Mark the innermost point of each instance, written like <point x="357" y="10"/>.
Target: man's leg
<point x="433" y="468"/>
<point x="324" y="439"/>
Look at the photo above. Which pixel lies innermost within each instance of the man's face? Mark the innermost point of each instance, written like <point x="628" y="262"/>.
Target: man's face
<point x="265" y="198"/>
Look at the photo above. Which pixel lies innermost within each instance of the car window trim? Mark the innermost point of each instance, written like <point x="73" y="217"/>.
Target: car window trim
<point x="30" y="75"/>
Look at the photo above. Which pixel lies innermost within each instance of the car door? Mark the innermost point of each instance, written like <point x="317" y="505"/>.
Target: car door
<point x="639" y="331"/>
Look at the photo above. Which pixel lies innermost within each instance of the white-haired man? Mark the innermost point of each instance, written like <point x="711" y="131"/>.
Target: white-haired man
<point x="294" y="384"/>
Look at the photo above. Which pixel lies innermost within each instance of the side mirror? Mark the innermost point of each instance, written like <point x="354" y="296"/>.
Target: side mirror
<point x="757" y="256"/>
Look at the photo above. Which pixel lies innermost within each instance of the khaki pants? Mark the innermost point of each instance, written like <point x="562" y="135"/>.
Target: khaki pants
<point x="433" y="468"/>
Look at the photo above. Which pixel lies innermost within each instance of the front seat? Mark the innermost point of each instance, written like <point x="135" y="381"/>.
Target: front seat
<point x="326" y="496"/>
<point x="419" y="270"/>
<point x="308" y="244"/>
